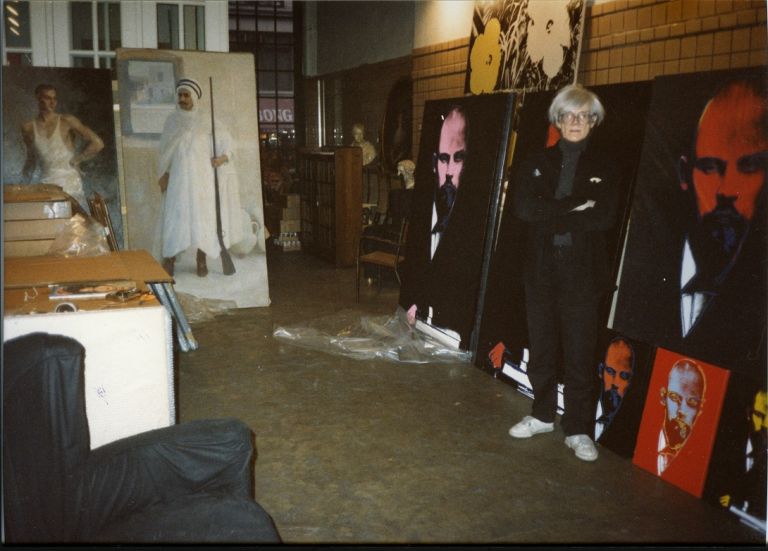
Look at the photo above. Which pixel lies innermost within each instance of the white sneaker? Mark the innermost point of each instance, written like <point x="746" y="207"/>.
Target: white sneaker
<point x="583" y="446"/>
<point x="530" y="426"/>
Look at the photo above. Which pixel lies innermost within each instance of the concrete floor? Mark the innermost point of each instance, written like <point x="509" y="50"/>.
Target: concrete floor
<point x="375" y="452"/>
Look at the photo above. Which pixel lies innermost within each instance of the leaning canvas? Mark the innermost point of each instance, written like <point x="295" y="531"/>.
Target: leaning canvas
<point x="737" y="473"/>
<point x="77" y="150"/>
<point x="219" y="217"/>
<point x="680" y="419"/>
<point x="458" y="173"/>
<point x="693" y="274"/>
<point x="524" y="45"/>
<point x="623" y="371"/>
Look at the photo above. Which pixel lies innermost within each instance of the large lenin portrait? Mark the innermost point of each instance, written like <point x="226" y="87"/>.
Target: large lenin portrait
<point x="693" y="276"/>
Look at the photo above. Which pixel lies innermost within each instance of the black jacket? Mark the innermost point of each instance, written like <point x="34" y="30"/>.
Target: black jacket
<point x="535" y="203"/>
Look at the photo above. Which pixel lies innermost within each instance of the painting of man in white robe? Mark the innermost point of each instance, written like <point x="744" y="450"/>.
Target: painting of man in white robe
<point x="178" y="210"/>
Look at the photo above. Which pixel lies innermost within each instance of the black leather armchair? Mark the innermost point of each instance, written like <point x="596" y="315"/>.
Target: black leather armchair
<point x="188" y="483"/>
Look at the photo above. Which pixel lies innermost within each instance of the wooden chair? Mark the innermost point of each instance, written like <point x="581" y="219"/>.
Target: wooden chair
<point x="383" y="257"/>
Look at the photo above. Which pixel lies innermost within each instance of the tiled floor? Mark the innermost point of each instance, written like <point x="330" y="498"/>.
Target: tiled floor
<point x="377" y="452"/>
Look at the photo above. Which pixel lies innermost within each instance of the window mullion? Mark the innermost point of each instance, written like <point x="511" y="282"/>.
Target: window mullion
<point x="182" y="44"/>
<point x="105" y="26"/>
<point x="95" y="33"/>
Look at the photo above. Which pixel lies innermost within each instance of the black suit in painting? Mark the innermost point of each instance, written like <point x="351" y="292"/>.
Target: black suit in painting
<point x="730" y="331"/>
<point x="464" y="142"/>
<point x="448" y="282"/>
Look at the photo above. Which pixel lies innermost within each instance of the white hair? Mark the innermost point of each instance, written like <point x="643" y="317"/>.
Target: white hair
<point x="572" y="97"/>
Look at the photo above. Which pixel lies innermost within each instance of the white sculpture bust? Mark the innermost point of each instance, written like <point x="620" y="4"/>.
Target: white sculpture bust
<point x="405" y="168"/>
<point x="369" y="151"/>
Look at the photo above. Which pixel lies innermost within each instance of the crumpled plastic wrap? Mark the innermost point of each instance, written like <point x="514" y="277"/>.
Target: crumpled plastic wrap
<point x="346" y="333"/>
<point x="81" y="236"/>
<point x="203" y="309"/>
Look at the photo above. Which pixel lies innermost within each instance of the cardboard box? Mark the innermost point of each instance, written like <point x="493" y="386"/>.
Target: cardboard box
<point x="22" y="193"/>
<point x="33" y="271"/>
<point x="33" y="247"/>
<point x="292" y="213"/>
<point x="20" y="230"/>
<point x="27" y="278"/>
<point x="37" y="210"/>
<point x="290" y="226"/>
<point x="287" y="201"/>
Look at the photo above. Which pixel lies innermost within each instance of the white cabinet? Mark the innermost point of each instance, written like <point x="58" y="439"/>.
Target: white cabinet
<point x="129" y="381"/>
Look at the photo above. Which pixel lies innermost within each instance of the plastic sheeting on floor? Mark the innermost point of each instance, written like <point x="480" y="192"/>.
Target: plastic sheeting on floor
<point x="204" y="309"/>
<point x="347" y="333"/>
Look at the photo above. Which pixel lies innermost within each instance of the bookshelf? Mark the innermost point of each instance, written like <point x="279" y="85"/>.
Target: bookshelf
<point x="331" y="202"/>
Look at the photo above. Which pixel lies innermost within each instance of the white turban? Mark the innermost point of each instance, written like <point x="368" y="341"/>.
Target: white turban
<point x="190" y="84"/>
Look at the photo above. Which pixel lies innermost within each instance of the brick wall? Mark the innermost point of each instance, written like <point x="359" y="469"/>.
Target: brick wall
<point x="630" y="40"/>
<point x="624" y="41"/>
<point x="438" y="73"/>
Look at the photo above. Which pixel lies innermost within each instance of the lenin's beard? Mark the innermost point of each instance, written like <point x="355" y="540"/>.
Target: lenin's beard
<point x="677" y="432"/>
<point x="444" y="198"/>
<point x="715" y="242"/>
<point x="610" y="400"/>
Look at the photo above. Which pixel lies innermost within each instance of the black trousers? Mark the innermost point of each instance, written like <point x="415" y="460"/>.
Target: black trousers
<point x="562" y="310"/>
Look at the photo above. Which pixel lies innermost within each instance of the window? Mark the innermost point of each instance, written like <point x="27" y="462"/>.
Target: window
<point x="18" y="36"/>
<point x="266" y="30"/>
<point x="186" y="32"/>
<point x="194" y="27"/>
<point x="95" y="36"/>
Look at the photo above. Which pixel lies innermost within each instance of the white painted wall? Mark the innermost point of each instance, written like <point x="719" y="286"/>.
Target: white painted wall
<point x="346" y="34"/>
<point x="216" y="26"/>
<point x="42" y="31"/>
<point x="439" y="21"/>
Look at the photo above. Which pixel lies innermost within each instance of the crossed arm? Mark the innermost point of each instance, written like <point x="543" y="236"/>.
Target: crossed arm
<point x="593" y="211"/>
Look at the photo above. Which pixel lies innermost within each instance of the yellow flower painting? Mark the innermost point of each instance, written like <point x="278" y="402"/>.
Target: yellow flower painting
<point x="485" y="59"/>
<point x="526" y="45"/>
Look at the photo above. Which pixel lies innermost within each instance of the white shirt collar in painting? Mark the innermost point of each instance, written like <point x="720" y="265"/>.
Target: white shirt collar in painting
<point x="662" y="460"/>
<point x="435" y="236"/>
<point x="599" y="426"/>
<point x="691" y="304"/>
